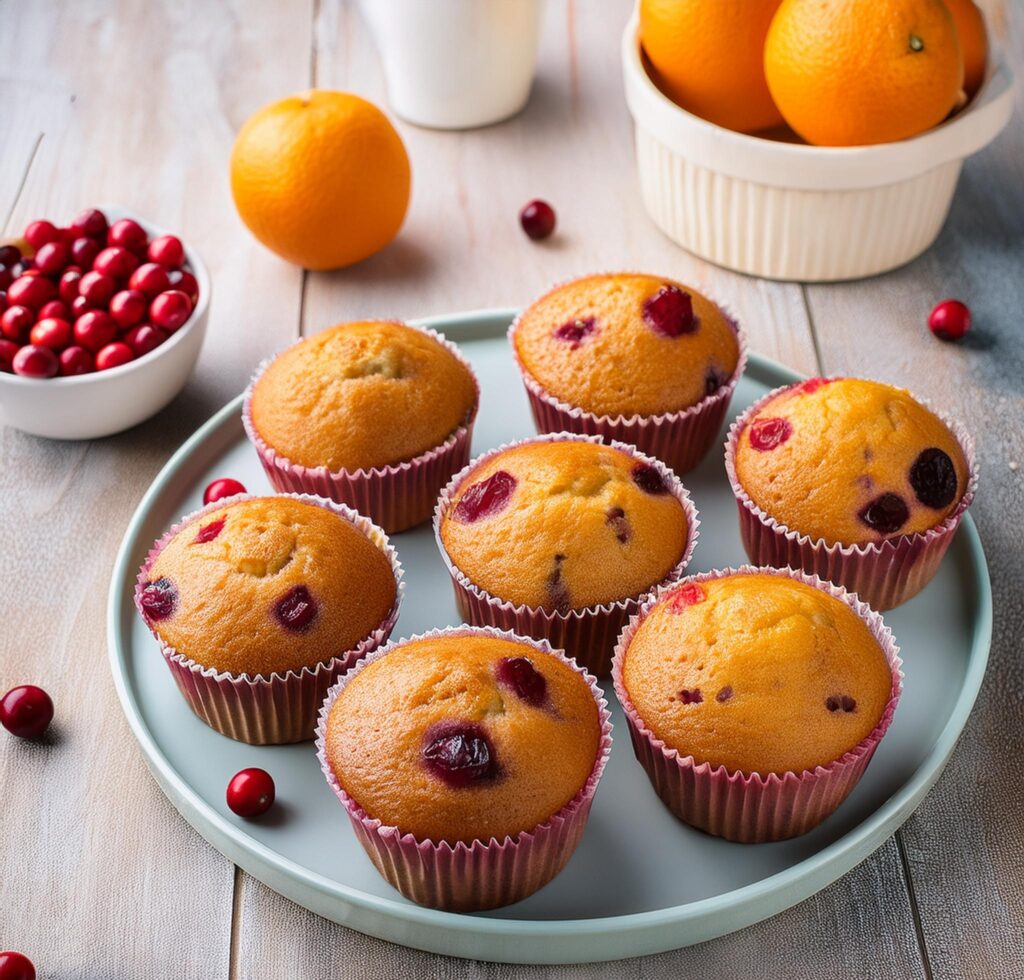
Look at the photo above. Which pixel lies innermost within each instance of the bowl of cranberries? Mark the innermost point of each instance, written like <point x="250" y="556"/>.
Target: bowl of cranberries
<point x="101" y="323"/>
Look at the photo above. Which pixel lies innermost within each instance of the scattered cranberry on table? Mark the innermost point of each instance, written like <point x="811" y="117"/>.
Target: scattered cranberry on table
<point x="26" y="711"/>
<point x="219" y="489"/>
<point x="537" y="219"/>
<point x="950" y="320"/>
<point x="250" y="793"/>
<point x="15" y="966"/>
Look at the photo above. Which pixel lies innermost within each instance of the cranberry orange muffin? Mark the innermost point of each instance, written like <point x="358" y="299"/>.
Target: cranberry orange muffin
<point x="562" y="533"/>
<point x="472" y="741"/>
<point x="375" y="414"/>
<point x="763" y="677"/>
<point x="258" y="594"/>
<point x="634" y="357"/>
<point x="849" y="465"/>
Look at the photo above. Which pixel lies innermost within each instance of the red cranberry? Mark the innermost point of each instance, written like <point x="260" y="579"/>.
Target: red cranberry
<point x="6" y="277"/>
<point x="296" y="609"/>
<point x="84" y="252"/>
<point x="26" y="711"/>
<point x="68" y="287"/>
<point x="94" y="329"/>
<point x="843" y="702"/>
<point x="9" y="255"/>
<point x="933" y="478"/>
<point x="537" y="219"/>
<point x="116" y="262"/>
<point x="14" y="966"/>
<point x="35" y="362"/>
<point x="51" y="332"/>
<point x="649" y="479"/>
<point x="144" y="338"/>
<point x="113" y="355"/>
<point x="91" y="223"/>
<point x="170" y="309"/>
<point x="8" y="348"/>
<point x="80" y="305"/>
<point x="97" y="288"/>
<point x="209" y="531"/>
<point x="128" y="307"/>
<point x="669" y="312"/>
<point x="885" y="514"/>
<point x="40" y="233"/>
<point x="149" y="279"/>
<point x="16" y="321"/>
<point x="691" y="696"/>
<point x="251" y="792"/>
<point x="950" y="320"/>
<point x="186" y="282"/>
<point x="574" y="331"/>
<point x="460" y="754"/>
<point x="811" y="385"/>
<point x="31" y="291"/>
<point x="768" y="433"/>
<point x="615" y="518"/>
<point x="519" y="675"/>
<point x="52" y="257"/>
<point x="224" y="487"/>
<point x="724" y="694"/>
<point x="159" y="599"/>
<point x="485" y="498"/>
<point x="685" y="596"/>
<point x="166" y="250"/>
<point x="128" y="234"/>
<point x="74" y="361"/>
<point x="54" y="308"/>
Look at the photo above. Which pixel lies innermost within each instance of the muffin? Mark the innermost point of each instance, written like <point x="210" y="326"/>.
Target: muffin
<point x="467" y="761"/>
<point x="374" y="414"/>
<point x="755" y="699"/>
<point x="639" y="358"/>
<point x="252" y="603"/>
<point x="852" y="480"/>
<point x="561" y="537"/>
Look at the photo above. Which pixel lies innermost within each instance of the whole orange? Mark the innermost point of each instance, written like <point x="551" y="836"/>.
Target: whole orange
<point x="706" y="56"/>
<point x="970" y="28"/>
<point x="851" y="72"/>
<point x="321" y="178"/>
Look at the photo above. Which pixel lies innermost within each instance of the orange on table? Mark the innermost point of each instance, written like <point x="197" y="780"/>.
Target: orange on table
<point x="970" y="27"/>
<point x="853" y="72"/>
<point x="707" y="56"/>
<point x="321" y="178"/>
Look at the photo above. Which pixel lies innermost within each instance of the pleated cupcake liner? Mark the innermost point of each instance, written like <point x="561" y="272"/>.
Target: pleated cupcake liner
<point x="587" y="635"/>
<point x="398" y="496"/>
<point x="884" y="573"/>
<point x="754" y="807"/>
<point x="680" y="439"/>
<point x="469" y="877"/>
<point x="281" y="707"/>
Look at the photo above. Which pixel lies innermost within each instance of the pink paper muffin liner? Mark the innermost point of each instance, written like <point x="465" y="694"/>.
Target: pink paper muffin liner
<point x="883" y="573"/>
<point x="398" y="496"/>
<point x="680" y="439"/>
<point x="587" y="635"/>
<point x="281" y="707"/>
<point x="479" y="875"/>
<point x="751" y="807"/>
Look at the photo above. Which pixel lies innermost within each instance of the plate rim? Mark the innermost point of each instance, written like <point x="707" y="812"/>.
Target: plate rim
<point x="567" y="940"/>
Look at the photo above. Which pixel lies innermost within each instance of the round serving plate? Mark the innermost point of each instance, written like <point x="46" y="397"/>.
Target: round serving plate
<point x="640" y="882"/>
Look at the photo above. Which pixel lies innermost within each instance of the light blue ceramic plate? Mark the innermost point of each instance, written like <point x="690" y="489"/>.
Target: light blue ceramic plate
<point x="640" y="882"/>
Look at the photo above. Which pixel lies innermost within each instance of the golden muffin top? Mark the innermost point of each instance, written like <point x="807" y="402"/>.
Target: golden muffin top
<point x="850" y="461"/>
<point x="627" y="344"/>
<point x="464" y="736"/>
<point x="267" y="584"/>
<point x="564" y="525"/>
<point x="362" y="395"/>
<point x="757" y="673"/>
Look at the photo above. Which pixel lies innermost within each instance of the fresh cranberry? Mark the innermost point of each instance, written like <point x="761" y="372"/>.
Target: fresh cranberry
<point x="251" y="792"/>
<point x="459" y="754"/>
<point x="128" y="234"/>
<point x="84" y="252"/>
<point x="219" y="489"/>
<point x="837" y="702"/>
<point x="615" y="518"/>
<point x="724" y="694"/>
<point x="485" y="498"/>
<point x="669" y="312"/>
<point x="94" y="329"/>
<point x="26" y="711"/>
<point x="649" y="479"/>
<point x="52" y="257"/>
<point x="114" y="355"/>
<point x="74" y="361"/>
<point x="950" y="320"/>
<point x="9" y="255"/>
<point x="35" y="362"/>
<point x="54" y="308"/>
<point x="159" y="599"/>
<point x="769" y="433"/>
<point x="537" y="219"/>
<point x="128" y="307"/>
<point x="16" y="321"/>
<point x="209" y="531"/>
<point x="149" y="279"/>
<point x="170" y="309"/>
<point x="3" y="300"/>
<point x="557" y="588"/>
<point x="116" y="262"/>
<point x="80" y="305"/>
<point x="8" y="348"/>
<point x="685" y="596"/>
<point x="144" y="338"/>
<point x="691" y="696"/>
<point x="52" y="332"/>
<point x="167" y="251"/>
<point x="186" y="282"/>
<point x="6" y="276"/>
<point x="67" y="289"/>
<point x="573" y="332"/>
<point x="31" y="291"/>
<point x="15" y="966"/>
<point x="91" y="223"/>
<point x="885" y="514"/>
<point x="296" y="609"/>
<point x="933" y="478"/>
<point x="519" y="675"/>
<point x="40" y="233"/>
<point x="97" y="288"/>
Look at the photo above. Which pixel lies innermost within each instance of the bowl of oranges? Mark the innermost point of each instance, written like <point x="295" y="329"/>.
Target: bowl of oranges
<point x="798" y="140"/>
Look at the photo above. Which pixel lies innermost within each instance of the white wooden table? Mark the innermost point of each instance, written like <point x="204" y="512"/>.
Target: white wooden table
<point x="138" y="103"/>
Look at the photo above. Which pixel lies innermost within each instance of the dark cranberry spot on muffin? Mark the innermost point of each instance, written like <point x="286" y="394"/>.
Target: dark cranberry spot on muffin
<point x="713" y="380"/>
<point x="519" y="674"/>
<point x="691" y="697"/>
<point x="766" y="434"/>
<point x="485" y="498"/>
<point x="670" y="312"/>
<point x="648" y="479"/>
<point x="933" y="478"/>
<point x="574" y="331"/>
<point x="209" y="531"/>
<point x="685" y="596"/>
<point x="840" y="702"/>
<point x="296" y="609"/>
<point x="885" y="514"/>
<point x="159" y="599"/>
<point x="460" y="754"/>
<point x="615" y="518"/>
<point x="558" y="591"/>
<point x="724" y="694"/>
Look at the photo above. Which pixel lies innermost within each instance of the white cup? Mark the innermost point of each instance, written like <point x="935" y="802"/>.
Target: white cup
<point x="456" y="64"/>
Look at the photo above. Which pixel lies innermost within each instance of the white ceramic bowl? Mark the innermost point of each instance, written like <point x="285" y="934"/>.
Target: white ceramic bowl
<point x="89" y="406"/>
<point x="793" y="211"/>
